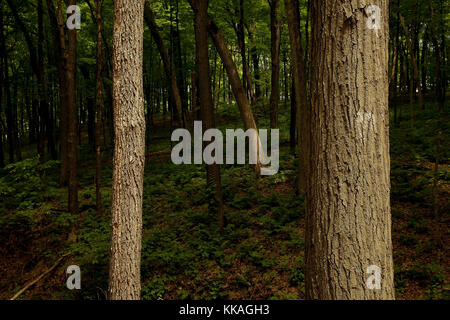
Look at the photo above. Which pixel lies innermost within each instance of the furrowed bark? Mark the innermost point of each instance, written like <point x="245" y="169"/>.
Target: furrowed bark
<point x="348" y="198"/>
<point x="129" y="150"/>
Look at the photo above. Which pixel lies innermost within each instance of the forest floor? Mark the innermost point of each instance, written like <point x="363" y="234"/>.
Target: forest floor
<point x="184" y="256"/>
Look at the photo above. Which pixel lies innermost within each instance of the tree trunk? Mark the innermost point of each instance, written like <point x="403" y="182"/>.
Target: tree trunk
<point x="299" y="76"/>
<point x="233" y="75"/>
<point x="2" y="156"/>
<point x="204" y="87"/>
<point x="348" y="202"/>
<point x="413" y="62"/>
<point x="129" y="150"/>
<point x="44" y="105"/>
<point x="440" y="93"/>
<point x="275" y="36"/>
<point x="98" y="120"/>
<point x="293" y="118"/>
<point x="8" y="110"/>
<point x="57" y="23"/>
<point x="72" y="119"/>
<point x="174" y="89"/>
<point x="240" y="32"/>
<point x="255" y="60"/>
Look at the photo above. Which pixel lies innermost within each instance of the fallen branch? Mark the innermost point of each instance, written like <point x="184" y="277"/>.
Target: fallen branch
<point x="39" y="278"/>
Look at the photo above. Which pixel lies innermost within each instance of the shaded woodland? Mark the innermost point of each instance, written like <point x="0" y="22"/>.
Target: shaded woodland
<point x="86" y="177"/>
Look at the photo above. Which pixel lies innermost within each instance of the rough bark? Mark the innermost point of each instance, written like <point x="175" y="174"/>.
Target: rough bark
<point x="129" y="150"/>
<point x="348" y="202"/>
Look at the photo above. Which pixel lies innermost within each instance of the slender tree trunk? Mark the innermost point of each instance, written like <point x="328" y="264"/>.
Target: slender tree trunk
<point x="44" y="105"/>
<point x="348" y="201"/>
<point x="2" y="156"/>
<point x="299" y="76"/>
<point x="72" y="118"/>
<point x="8" y="110"/>
<point x="174" y="89"/>
<point x="255" y="60"/>
<point x="233" y="75"/>
<point x="178" y="61"/>
<point x="194" y="92"/>
<point x="415" y="69"/>
<point x="129" y="150"/>
<point x="422" y="62"/>
<point x="275" y="32"/>
<point x="98" y="120"/>
<point x="440" y="93"/>
<point x="206" y="104"/>
<point x="293" y="117"/>
<point x="240" y="32"/>
<point x="58" y="28"/>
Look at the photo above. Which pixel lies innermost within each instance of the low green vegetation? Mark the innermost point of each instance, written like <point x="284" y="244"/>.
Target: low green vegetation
<point x="184" y="256"/>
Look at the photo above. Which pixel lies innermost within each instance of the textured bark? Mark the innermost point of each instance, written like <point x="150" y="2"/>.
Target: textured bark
<point x="299" y="77"/>
<point x="129" y="150"/>
<point x="275" y="36"/>
<point x="174" y="89"/>
<point x="98" y="120"/>
<point x="348" y="203"/>
<point x="72" y="122"/>
<point x="204" y="87"/>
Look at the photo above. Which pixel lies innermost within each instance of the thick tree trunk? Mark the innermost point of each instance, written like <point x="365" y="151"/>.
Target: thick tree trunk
<point x="204" y="88"/>
<point x="275" y="36"/>
<point x="348" y="202"/>
<point x="129" y="150"/>
<point x="98" y="119"/>
<point x="299" y="76"/>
